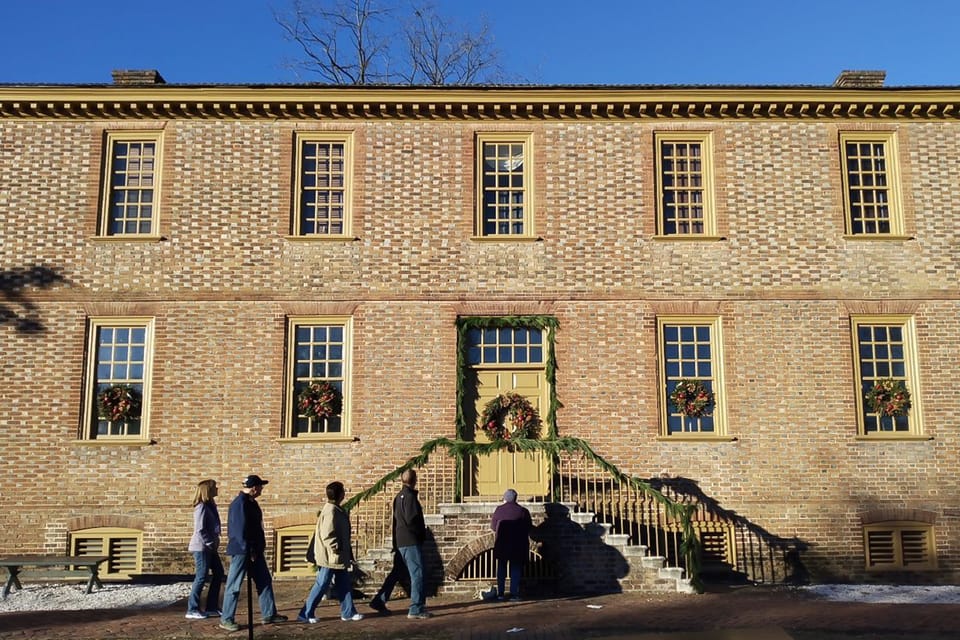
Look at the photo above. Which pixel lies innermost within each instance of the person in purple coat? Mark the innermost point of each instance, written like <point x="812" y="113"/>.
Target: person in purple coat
<point x="511" y="525"/>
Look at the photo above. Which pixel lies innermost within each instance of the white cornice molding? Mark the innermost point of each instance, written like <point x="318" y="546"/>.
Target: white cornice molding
<point x="458" y="103"/>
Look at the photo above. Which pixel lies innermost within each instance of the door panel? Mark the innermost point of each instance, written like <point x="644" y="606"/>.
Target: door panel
<point x="525" y="472"/>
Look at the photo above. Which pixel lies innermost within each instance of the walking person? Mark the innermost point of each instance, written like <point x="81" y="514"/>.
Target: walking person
<point x="205" y="544"/>
<point x="511" y="524"/>
<point x="334" y="554"/>
<point x="409" y="533"/>
<point x="246" y="543"/>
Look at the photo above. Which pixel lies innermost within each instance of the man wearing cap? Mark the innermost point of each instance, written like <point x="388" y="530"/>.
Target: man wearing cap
<point x="511" y="525"/>
<point x="246" y="544"/>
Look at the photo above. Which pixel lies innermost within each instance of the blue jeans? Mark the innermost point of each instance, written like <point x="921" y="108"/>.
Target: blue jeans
<point x="261" y="578"/>
<point x="516" y="571"/>
<point x="342" y="591"/>
<point x="204" y="561"/>
<point x="413" y="562"/>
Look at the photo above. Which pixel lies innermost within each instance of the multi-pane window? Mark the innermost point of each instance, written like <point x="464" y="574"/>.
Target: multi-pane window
<point x="323" y="185"/>
<point x="899" y="546"/>
<point x="885" y="348"/>
<point x="318" y="349"/>
<point x="685" y="184"/>
<point x="689" y="350"/>
<point x="507" y="345"/>
<point x="121" y="545"/>
<point x="131" y="187"/>
<point x="870" y="185"/>
<point x="505" y="203"/>
<point x="119" y="354"/>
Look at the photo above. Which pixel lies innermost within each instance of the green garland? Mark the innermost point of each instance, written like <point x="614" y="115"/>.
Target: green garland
<point x="461" y="449"/>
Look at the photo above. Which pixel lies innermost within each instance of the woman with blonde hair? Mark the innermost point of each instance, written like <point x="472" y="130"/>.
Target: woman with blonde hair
<point x="204" y="544"/>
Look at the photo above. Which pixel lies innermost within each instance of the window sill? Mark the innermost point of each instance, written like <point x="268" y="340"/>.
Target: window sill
<point x="696" y="438"/>
<point x="319" y="439"/>
<point x="517" y="238"/>
<point x="128" y="238"/>
<point x="908" y="437"/>
<point x="112" y="442"/>
<point x="688" y="237"/>
<point x="877" y="237"/>
<point x="321" y="238"/>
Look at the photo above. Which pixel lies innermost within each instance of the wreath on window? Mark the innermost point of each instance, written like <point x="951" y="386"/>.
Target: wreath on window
<point x="510" y="416"/>
<point x="888" y="397"/>
<point x="691" y="398"/>
<point x="118" y="403"/>
<point x="319" y="399"/>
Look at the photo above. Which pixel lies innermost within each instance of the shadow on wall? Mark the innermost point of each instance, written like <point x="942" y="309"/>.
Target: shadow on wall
<point x="578" y="557"/>
<point x="15" y="306"/>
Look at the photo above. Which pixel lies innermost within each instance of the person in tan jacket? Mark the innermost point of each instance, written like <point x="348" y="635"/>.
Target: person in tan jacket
<point x="334" y="557"/>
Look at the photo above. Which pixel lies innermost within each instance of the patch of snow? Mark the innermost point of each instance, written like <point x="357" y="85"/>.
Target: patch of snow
<point x="886" y="593"/>
<point x="59" y="597"/>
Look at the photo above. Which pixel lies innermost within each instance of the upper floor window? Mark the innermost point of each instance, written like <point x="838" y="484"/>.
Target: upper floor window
<point x="870" y="183"/>
<point x="116" y="397"/>
<point x="131" y="184"/>
<point x="885" y="348"/>
<point x="318" y="349"/>
<point x="505" y="185"/>
<point x="324" y="162"/>
<point x="690" y="349"/>
<point x="685" y="184"/>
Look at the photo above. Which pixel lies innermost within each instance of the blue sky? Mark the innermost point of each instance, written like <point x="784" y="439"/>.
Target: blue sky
<point x="752" y="42"/>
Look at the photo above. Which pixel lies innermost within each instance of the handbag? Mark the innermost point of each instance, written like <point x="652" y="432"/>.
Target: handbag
<point x="311" y="556"/>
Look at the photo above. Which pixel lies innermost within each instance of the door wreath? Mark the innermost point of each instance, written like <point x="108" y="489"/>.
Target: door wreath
<point x="510" y="416"/>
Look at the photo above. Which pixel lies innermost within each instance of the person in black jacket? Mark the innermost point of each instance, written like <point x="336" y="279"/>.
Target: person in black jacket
<point x="246" y="544"/>
<point x="409" y="532"/>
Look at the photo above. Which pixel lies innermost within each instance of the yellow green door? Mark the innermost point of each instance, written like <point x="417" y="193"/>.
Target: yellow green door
<point x="525" y="472"/>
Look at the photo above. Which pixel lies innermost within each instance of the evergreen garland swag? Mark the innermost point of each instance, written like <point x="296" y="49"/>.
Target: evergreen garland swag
<point x="118" y="403"/>
<point x="319" y="400"/>
<point x="888" y="397"/>
<point x="510" y="416"/>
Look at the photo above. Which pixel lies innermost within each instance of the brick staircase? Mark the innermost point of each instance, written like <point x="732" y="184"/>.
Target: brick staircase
<point x="579" y="555"/>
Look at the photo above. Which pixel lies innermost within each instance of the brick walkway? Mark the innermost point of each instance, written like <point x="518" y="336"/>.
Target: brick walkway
<point x="748" y="613"/>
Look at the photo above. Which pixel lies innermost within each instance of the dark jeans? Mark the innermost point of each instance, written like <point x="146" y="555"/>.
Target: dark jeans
<point x="205" y="561"/>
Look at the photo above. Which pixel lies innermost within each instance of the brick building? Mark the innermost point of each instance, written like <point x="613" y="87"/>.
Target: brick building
<point x="217" y="247"/>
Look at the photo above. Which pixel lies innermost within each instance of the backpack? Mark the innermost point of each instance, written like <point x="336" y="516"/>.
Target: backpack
<point x="311" y="556"/>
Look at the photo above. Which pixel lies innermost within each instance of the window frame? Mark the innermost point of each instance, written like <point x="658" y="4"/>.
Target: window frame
<point x="907" y="323"/>
<point x="107" y="188"/>
<point x="525" y="139"/>
<point x="896" y="528"/>
<point x="89" y="418"/>
<point x="705" y="140"/>
<point x="106" y="534"/>
<point x="289" y="417"/>
<point x="334" y="137"/>
<point x="895" y="205"/>
<point x="716" y="363"/>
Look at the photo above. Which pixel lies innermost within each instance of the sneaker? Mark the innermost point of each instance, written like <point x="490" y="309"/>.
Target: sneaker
<point x="354" y="618"/>
<point x="423" y="615"/>
<point x="229" y="625"/>
<point x="308" y="620"/>
<point x="274" y="619"/>
<point x="379" y="606"/>
<point x="196" y="615"/>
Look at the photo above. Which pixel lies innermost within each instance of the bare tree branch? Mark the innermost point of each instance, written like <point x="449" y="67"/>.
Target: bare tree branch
<point x="349" y="42"/>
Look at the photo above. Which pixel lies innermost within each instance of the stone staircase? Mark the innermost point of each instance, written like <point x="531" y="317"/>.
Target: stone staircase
<point x="583" y="555"/>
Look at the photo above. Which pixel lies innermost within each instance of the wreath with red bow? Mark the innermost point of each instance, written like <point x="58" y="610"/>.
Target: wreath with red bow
<point x="118" y="403"/>
<point x="510" y="416"/>
<point x="691" y="398"/>
<point x="319" y="400"/>
<point x="888" y="397"/>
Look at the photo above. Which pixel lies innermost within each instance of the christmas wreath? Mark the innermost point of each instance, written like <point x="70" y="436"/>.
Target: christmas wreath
<point x="118" y="403"/>
<point x="510" y="416"/>
<point x="888" y="397"/>
<point x="691" y="398"/>
<point x="319" y="399"/>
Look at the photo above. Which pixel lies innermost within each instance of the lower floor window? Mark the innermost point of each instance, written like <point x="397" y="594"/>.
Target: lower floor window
<point x="122" y="546"/>
<point x="291" y="548"/>
<point x="899" y="545"/>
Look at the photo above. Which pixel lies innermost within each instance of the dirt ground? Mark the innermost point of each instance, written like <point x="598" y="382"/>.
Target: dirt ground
<point x="743" y="613"/>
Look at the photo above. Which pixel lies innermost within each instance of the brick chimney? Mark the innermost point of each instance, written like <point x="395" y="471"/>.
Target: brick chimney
<point x="134" y="77"/>
<point x="860" y="79"/>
